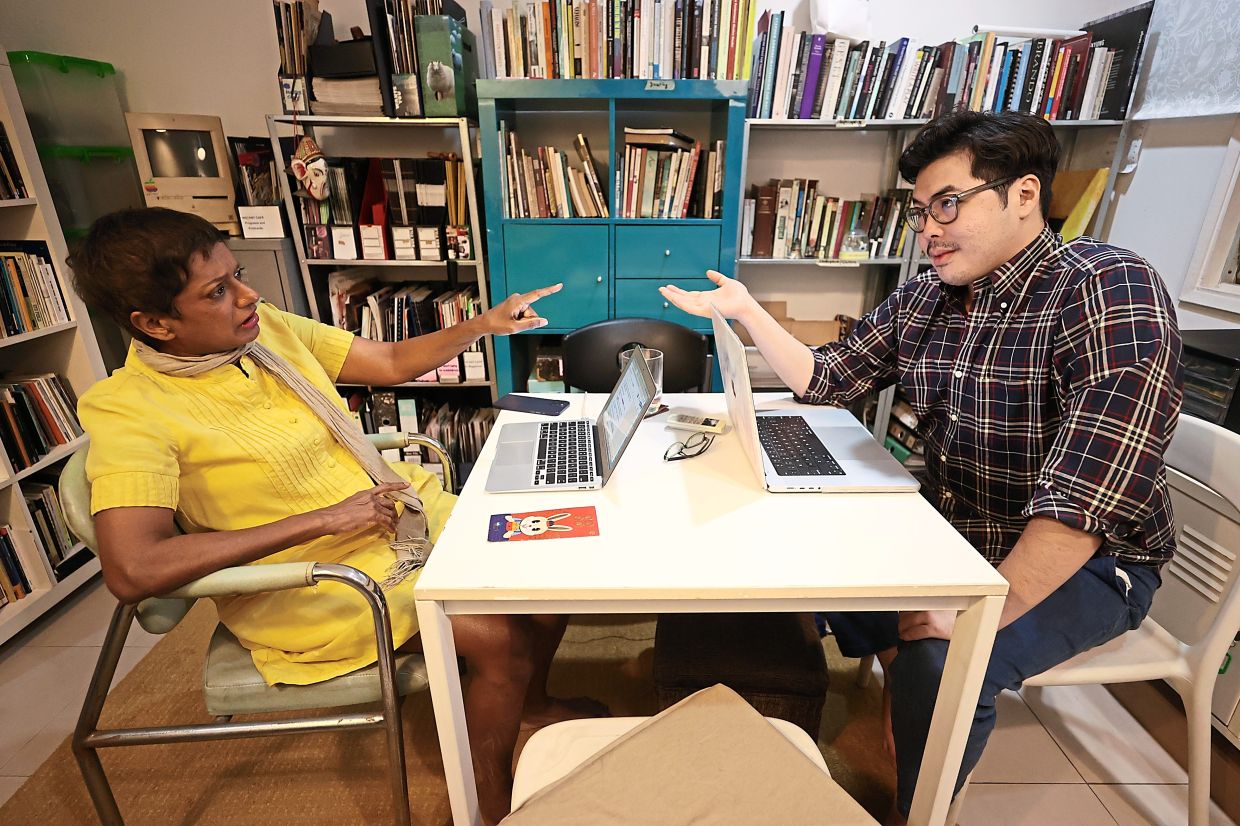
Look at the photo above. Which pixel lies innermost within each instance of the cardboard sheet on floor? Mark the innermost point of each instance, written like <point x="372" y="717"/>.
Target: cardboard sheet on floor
<point x="711" y="758"/>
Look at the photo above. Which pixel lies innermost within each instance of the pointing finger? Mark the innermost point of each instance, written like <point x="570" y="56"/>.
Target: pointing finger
<point x="541" y="292"/>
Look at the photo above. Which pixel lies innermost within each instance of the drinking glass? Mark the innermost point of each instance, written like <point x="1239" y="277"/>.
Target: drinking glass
<point x="654" y="361"/>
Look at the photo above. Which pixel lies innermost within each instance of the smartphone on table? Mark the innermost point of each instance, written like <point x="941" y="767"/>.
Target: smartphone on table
<point x="531" y="404"/>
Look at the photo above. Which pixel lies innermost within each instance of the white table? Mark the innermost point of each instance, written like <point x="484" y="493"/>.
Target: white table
<point x="701" y="535"/>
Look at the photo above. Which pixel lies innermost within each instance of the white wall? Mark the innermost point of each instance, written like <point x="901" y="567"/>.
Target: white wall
<point x="220" y="58"/>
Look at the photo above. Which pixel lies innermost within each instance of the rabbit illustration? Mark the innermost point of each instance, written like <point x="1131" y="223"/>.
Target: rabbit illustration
<point x="535" y="525"/>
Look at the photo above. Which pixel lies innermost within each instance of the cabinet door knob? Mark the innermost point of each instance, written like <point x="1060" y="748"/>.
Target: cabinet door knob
<point x="665" y="305"/>
<point x="599" y="280"/>
<point x="667" y="252"/>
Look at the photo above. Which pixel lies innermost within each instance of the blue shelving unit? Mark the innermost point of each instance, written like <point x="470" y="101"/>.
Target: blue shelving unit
<point x="610" y="267"/>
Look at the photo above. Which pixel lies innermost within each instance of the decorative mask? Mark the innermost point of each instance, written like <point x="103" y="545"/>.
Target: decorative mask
<point x="309" y="167"/>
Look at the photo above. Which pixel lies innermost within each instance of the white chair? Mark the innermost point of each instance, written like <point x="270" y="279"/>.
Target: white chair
<point x="554" y="751"/>
<point x="1196" y="612"/>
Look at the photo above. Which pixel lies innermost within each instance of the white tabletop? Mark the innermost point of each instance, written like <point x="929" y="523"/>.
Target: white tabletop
<point x="702" y="528"/>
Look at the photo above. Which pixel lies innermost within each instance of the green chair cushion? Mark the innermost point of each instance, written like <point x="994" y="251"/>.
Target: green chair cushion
<point x="232" y="685"/>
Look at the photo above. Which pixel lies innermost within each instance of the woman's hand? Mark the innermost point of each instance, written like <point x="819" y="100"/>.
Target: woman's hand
<point x="364" y="509"/>
<point x="516" y="312"/>
<point x="731" y="298"/>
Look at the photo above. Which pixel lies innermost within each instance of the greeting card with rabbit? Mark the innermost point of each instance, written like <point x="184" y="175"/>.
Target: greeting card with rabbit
<point x="558" y="523"/>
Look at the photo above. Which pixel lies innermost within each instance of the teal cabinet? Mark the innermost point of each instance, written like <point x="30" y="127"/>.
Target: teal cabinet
<point x="640" y="298"/>
<point x="537" y="255"/>
<point x="611" y="267"/>
<point x="666" y="252"/>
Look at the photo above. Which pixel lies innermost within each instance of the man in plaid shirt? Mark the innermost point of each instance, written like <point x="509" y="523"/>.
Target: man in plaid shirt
<point x="1046" y="378"/>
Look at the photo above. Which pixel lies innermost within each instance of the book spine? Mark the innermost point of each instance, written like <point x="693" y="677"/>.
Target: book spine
<point x="813" y="72"/>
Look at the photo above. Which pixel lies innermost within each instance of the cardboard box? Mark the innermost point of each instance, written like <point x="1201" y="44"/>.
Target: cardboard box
<point x="813" y="333"/>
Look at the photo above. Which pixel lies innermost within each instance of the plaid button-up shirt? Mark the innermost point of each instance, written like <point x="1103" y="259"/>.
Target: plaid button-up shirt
<point x="1055" y="395"/>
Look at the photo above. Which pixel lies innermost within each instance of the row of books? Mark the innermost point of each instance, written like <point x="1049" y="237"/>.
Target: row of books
<point x="297" y="22"/>
<point x="37" y="414"/>
<point x="461" y="429"/>
<point x="666" y="174"/>
<point x="902" y="438"/>
<point x="390" y="209"/>
<point x="11" y="183"/>
<point x="658" y="39"/>
<point x="14" y="584"/>
<point x="543" y="184"/>
<point x="30" y="293"/>
<point x="793" y="219"/>
<point x="49" y="520"/>
<point x="799" y="75"/>
<point x="398" y="311"/>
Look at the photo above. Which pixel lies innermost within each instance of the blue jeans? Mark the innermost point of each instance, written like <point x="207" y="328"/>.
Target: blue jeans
<point x="1095" y="605"/>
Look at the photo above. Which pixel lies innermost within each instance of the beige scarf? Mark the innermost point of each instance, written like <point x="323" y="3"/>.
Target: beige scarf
<point x="412" y="544"/>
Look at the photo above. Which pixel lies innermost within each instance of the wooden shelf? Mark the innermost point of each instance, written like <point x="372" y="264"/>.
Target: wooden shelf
<point x="810" y="125"/>
<point x="423" y="384"/>
<point x="386" y="262"/>
<point x="17" y="615"/>
<point x="9" y="341"/>
<point x="830" y="262"/>
<point x="18" y="202"/>
<point x="350" y="120"/>
<point x="50" y="459"/>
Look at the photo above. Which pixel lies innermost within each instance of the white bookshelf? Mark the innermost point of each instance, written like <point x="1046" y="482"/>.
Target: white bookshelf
<point x="68" y="349"/>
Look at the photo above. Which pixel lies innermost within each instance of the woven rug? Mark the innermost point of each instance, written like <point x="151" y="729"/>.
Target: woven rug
<point x="339" y="778"/>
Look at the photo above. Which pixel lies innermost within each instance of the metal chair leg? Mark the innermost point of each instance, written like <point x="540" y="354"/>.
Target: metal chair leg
<point x="387" y="681"/>
<point x="96" y="694"/>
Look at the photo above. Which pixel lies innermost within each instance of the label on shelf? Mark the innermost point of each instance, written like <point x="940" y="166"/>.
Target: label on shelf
<point x="660" y="85"/>
<point x="850" y="124"/>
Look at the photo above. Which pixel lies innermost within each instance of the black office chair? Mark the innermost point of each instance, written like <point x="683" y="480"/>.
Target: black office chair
<point x="592" y="354"/>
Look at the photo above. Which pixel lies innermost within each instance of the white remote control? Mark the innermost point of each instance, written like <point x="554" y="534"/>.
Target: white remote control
<point x="682" y="420"/>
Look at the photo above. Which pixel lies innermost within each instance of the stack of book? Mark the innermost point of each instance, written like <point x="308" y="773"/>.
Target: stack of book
<point x="462" y="429"/>
<point x="546" y="185"/>
<point x="793" y="219"/>
<point x="396" y="312"/>
<point x="669" y="39"/>
<point x="902" y="439"/>
<point x="37" y="414"/>
<point x="390" y="209"/>
<point x="49" y="521"/>
<point x="14" y="584"/>
<point x="30" y="294"/>
<point x="799" y="75"/>
<point x="666" y="174"/>
<point x="11" y="184"/>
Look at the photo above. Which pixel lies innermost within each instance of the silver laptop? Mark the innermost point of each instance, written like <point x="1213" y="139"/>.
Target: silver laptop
<point x="815" y="450"/>
<point x="573" y="454"/>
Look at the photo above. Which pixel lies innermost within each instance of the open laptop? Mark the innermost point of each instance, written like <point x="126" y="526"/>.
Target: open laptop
<point x="573" y="454"/>
<point x="815" y="450"/>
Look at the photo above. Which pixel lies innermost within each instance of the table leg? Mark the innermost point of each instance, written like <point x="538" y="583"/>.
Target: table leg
<point x="439" y="649"/>
<point x="968" y="655"/>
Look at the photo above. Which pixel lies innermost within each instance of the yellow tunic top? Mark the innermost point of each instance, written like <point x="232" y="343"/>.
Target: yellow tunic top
<point x="228" y="452"/>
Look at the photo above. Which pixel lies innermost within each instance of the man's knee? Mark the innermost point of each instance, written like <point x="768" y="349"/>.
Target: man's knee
<point x="918" y="668"/>
<point x="501" y="645"/>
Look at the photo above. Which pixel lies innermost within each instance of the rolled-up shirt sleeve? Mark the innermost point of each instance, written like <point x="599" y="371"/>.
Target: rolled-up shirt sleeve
<point x="846" y="370"/>
<point x="1118" y="367"/>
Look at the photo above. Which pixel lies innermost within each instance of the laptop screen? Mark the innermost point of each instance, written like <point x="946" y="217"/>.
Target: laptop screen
<point x="623" y="412"/>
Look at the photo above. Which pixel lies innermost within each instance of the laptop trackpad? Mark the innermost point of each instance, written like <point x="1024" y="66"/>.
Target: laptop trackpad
<point x="513" y="453"/>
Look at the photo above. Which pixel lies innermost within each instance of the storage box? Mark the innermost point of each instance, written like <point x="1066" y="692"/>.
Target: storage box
<point x="447" y="65"/>
<point x="90" y="181"/>
<point x="70" y="100"/>
<point x="813" y="333"/>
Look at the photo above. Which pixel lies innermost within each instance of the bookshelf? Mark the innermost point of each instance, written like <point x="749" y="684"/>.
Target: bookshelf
<point x="67" y="348"/>
<point x="611" y="267"/>
<point x="379" y="137"/>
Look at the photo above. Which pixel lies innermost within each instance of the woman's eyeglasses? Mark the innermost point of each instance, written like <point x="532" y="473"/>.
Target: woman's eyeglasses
<point x="695" y="445"/>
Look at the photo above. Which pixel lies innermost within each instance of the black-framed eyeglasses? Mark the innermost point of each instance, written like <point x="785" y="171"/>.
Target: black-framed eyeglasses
<point x="946" y="208"/>
<point x="695" y="445"/>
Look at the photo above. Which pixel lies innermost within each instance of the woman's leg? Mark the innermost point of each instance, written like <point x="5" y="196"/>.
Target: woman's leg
<point x="499" y="656"/>
<point x="541" y="709"/>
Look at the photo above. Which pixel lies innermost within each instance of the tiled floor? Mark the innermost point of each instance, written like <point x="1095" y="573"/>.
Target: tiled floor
<point x="1042" y="764"/>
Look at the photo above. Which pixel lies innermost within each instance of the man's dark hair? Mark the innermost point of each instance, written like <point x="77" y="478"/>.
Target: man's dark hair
<point x="139" y="260"/>
<point x="1000" y="144"/>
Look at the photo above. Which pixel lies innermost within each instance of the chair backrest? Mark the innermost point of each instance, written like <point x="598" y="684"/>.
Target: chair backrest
<point x="1199" y="601"/>
<point x="592" y="354"/>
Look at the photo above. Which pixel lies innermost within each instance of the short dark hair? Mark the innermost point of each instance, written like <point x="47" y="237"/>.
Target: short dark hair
<point x="139" y="260"/>
<point x="999" y="144"/>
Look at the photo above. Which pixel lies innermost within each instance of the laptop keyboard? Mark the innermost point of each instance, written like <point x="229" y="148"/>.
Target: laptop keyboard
<point x="793" y="448"/>
<point x="565" y="453"/>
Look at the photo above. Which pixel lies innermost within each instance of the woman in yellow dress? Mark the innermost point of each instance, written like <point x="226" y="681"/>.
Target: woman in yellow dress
<point x="213" y="447"/>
